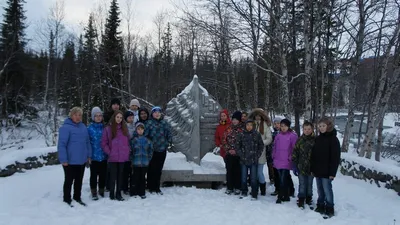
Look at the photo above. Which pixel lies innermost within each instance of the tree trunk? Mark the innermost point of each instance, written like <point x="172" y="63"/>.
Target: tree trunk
<point x="379" y="142"/>
<point x="308" y="43"/>
<point x="236" y="89"/>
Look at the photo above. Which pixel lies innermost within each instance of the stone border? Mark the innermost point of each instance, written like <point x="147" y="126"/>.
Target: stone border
<point x="358" y="171"/>
<point x="34" y="162"/>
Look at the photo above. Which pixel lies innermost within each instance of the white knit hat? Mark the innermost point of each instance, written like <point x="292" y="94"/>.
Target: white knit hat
<point x="96" y="110"/>
<point x="135" y="102"/>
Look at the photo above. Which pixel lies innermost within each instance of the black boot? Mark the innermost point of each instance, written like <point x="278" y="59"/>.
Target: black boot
<point x="263" y="188"/>
<point x="279" y="200"/>
<point x="309" y="200"/>
<point x="94" y="194"/>
<point x="320" y="209"/>
<point x="275" y="193"/>
<point x="330" y="211"/>
<point x="300" y="202"/>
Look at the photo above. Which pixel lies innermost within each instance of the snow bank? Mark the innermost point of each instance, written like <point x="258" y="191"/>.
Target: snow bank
<point x="385" y="166"/>
<point x="10" y="157"/>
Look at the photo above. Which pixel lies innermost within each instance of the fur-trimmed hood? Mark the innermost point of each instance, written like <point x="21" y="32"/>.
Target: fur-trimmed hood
<point x="262" y="113"/>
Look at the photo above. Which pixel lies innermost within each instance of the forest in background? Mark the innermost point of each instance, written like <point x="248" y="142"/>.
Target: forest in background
<point x="300" y="58"/>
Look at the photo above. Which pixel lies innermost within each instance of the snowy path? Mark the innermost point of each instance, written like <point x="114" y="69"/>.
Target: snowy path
<point x="35" y="197"/>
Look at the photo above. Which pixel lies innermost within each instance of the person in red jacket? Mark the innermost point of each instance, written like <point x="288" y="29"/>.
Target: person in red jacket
<point x="224" y="122"/>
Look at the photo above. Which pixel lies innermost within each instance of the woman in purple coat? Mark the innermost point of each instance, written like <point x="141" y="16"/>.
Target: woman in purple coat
<point x="115" y="143"/>
<point x="282" y="157"/>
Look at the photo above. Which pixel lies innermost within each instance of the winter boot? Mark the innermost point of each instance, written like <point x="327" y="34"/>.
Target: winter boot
<point x="112" y="196"/>
<point x="275" y="193"/>
<point x="309" y="200"/>
<point x="228" y="192"/>
<point x="300" y="202"/>
<point x="119" y="197"/>
<point x="286" y="199"/>
<point x="330" y="211"/>
<point x="279" y="200"/>
<point x="237" y="191"/>
<point x="263" y="188"/>
<point x="320" y="209"/>
<point x="94" y="194"/>
<point x="101" y="192"/>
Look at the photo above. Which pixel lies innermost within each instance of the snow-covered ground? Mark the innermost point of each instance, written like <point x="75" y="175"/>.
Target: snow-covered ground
<point x="35" y="197"/>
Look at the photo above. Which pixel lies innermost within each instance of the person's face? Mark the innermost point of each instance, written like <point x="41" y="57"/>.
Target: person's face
<point x="322" y="127"/>
<point x="143" y="115"/>
<point x="277" y="125"/>
<point x="76" y="118"/>
<point x="134" y="107"/>
<point x="140" y="130"/>
<point x="98" y="117"/>
<point x="118" y="118"/>
<point x="235" y="122"/>
<point x="244" y="117"/>
<point x="115" y="107"/>
<point x="156" y="115"/>
<point x="249" y="126"/>
<point x="307" y="130"/>
<point x="224" y="116"/>
<point x="284" y="128"/>
<point x="129" y="119"/>
<point x="258" y="118"/>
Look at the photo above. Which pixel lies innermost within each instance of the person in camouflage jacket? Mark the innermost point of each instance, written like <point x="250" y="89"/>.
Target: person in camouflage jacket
<point x="232" y="160"/>
<point x="250" y="146"/>
<point x="301" y="158"/>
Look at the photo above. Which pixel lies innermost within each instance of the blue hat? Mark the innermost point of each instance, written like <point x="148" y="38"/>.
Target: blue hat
<point x="156" y="109"/>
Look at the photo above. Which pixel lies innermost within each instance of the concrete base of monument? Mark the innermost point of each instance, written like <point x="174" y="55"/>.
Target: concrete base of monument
<point x="178" y="171"/>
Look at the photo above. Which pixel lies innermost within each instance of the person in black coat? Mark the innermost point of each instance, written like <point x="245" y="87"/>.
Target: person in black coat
<point x="325" y="159"/>
<point x="114" y="106"/>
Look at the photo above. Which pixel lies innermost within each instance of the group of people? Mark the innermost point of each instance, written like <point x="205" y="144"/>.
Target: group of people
<point x="126" y="152"/>
<point x="122" y="149"/>
<point x="247" y="143"/>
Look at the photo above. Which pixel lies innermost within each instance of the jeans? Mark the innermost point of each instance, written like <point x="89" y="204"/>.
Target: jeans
<point x="284" y="183"/>
<point x="325" y="193"/>
<point x="253" y="178"/>
<point x="305" y="186"/>
<point x="260" y="174"/>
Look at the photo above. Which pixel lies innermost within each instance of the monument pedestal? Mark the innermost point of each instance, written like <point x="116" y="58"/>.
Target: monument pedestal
<point x="181" y="172"/>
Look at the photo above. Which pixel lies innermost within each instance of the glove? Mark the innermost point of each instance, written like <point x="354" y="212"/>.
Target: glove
<point x="296" y="171"/>
<point x="216" y="150"/>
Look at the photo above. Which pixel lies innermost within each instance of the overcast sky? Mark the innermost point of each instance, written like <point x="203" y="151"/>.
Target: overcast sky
<point x="77" y="13"/>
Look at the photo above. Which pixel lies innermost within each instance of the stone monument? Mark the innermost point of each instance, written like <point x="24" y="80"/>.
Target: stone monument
<point x="193" y="116"/>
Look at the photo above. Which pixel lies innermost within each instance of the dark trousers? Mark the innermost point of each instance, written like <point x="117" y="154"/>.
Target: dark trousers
<point x="233" y="173"/>
<point x="139" y="177"/>
<point x="253" y="177"/>
<point x="276" y="180"/>
<point x="283" y="183"/>
<point x="73" y="174"/>
<point x="127" y="176"/>
<point x="98" y="172"/>
<point x="155" y="169"/>
<point x="116" y="175"/>
<point x="271" y="173"/>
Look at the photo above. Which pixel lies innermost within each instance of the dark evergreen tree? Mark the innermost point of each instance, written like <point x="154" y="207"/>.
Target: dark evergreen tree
<point x="13" y="82"/>
<point x="111" y="52"/>
<point x="68" y="79"/>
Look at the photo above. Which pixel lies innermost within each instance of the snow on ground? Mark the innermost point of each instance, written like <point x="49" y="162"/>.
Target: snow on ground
<point x="35" y="197"/>
<point x="210" y="164"/>
<point x="386" y="165"/>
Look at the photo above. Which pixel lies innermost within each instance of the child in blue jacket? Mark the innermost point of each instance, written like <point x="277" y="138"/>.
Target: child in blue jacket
<point x="142" y="151"/>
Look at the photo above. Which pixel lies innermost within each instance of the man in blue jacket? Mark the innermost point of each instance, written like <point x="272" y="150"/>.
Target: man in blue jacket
<point x="74" y="151"/>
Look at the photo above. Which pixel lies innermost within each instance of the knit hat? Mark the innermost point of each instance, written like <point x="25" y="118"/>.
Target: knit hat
<point x="286" y="122"/>
<point x="139" y="124"/>
<point x="115" y="101"/>
<point x="96" y="110"/>
<point x="277" y="120"/>
<point x="156" y="109"/>
<point x="128" y="114"/>
<point x="135" y="102"/>
<point x="237" y="115"/>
